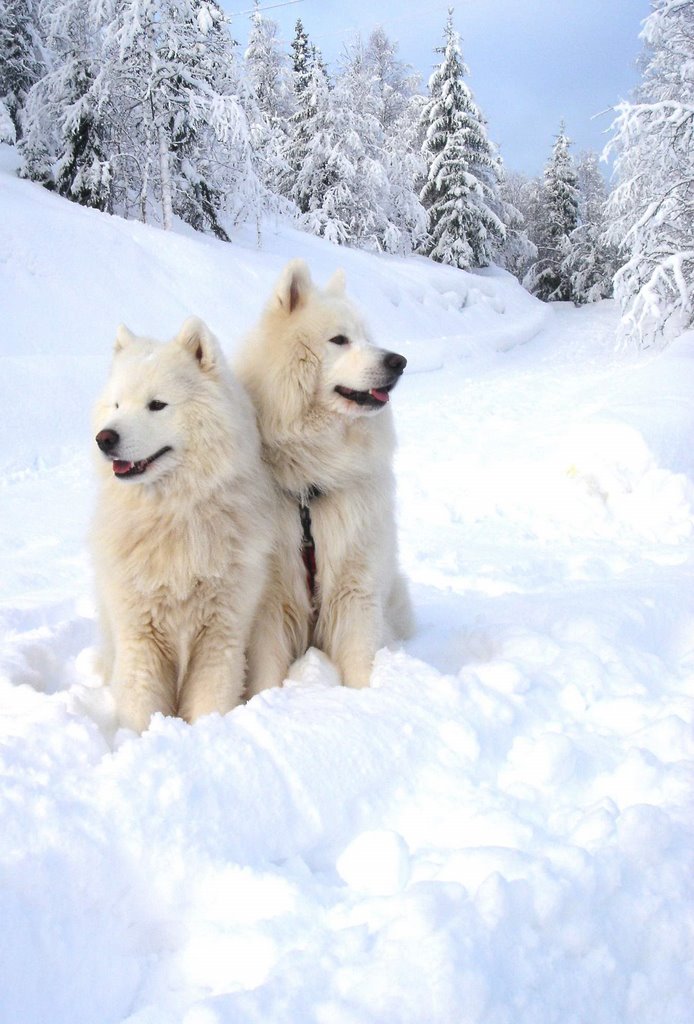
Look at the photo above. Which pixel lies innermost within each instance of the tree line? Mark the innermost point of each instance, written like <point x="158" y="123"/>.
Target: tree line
<point x="146" y="109"/>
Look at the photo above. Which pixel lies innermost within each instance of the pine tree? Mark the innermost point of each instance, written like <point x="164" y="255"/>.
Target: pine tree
<point x="267" y="68"/>
<point x="267" y="71"/>
<point x="22" y="58"/>
<point x="141" y="112"/>
<point x="310" y="154"/>
<point x="459" y="193"/>
<point x="651" y="209"/>
<point x="181" y="137"/>
<point x="354" y="181"/>
<point x="353" y="203"/>
<point x="310" y="138"/>
<point x="519" y="202"/>
<point x="591" y="261"/>
<point x="397" y="109"/>
<point x="83" y="172"/>
<point x="394" y="82"/>
<point x="548" y="277"/>
<point x="64" y="144"/>
<point x="301" y="55"/>
<point x="405" y="169"/>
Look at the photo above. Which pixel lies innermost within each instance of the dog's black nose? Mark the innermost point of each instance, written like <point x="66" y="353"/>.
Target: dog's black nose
<point x="107" y="440"/>
<point x="394" y="362"/>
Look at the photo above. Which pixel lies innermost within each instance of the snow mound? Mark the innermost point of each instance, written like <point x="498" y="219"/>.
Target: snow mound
<point x="499" y="829"/>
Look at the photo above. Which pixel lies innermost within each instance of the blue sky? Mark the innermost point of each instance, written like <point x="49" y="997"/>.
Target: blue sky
<point x="532" y="62"/>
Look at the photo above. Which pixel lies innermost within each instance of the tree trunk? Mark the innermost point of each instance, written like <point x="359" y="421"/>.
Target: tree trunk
<point x="165" y="172"/>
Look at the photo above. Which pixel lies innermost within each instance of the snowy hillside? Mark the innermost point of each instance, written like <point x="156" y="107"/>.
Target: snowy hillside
<point x="500" y="830"/>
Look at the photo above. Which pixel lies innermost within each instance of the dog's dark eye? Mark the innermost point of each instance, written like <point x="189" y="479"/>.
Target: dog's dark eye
<point x="155" y="406"/>
<point x="339" y="339"/>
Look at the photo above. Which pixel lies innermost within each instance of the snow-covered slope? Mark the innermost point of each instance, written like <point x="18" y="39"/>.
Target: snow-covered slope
<point x="500" y="829"/>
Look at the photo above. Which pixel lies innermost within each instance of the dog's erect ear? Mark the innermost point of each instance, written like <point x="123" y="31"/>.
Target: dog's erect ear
<point x="293" y="286"/>
<point x="336" y="284"/>
<point x="123" y="338"/>
<point x="196" y="337"/>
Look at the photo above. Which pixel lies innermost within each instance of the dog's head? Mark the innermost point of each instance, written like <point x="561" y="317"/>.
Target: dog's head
<point x="144" y="418"/>
<point x="332" y="357"/>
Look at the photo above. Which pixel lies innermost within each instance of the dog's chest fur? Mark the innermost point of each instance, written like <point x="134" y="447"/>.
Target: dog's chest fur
<point x="165" y="555"/>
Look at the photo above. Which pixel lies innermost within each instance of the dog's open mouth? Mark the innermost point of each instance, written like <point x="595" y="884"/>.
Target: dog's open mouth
<point x="123" y="469"/>
<point x="376" y="398"/>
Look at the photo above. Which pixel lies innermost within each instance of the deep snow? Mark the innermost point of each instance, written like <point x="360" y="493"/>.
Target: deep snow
<point x="500" y="829"/>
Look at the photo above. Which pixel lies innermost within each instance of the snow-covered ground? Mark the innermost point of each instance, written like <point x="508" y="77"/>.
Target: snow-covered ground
<point x="500" y="829"/>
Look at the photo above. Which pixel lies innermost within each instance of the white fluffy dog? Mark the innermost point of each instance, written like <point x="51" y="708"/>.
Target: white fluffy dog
<point x="179" y="537"/>
<point x="321" y="392"/>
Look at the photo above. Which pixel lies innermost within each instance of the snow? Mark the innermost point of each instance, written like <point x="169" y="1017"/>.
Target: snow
<point x="499" y="830"/>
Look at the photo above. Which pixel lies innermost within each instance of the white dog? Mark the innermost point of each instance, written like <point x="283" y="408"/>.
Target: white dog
<point x="179" y="537"/>
<point x="321" y="391"/>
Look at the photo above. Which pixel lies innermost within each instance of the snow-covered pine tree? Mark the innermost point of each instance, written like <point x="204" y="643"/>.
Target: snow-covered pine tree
<point x="651" y="209"/>
<point x="394" y="82"/>
<point x="458" y="194"/>
<point x="517" y="251"/>
<point x="547" y="278"/>
<point x="405" y="170"/>
<point x="591" y="261"/>
<point x="83" y="170"/>
<point x="310" y="138"/>
<point x="310" y="153"/>
<point x="306" y="90"/>
<point x="22" y="58"/>
<point x="353" y="204"/>
<point x="397" y="108"/>
<point x="301" y="56"/>
<point x="354" y="180"/>
<point x="181" y="138"/>
<point x="268" y="70"/>
<point x="65" y="139"/>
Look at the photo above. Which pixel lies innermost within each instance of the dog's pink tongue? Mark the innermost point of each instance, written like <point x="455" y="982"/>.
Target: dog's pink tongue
<point x="380" y="396"/>
<point x="122" y="467"/>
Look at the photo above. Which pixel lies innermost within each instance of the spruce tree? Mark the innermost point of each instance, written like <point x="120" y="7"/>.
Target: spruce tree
<point x="22" y="57"/>
<point x="460" y="190"/>
<point x="651" y="209"/>
<point x="83" y="171"/>
<point x="181" y="136"/>
<point x="549" y="278"/>
<point x="141" y="113"/>
<point x="310" y="136"/>
<point x="517" y="196"/>
<point x="267" y="68"/>
<point x="355" y="202"/>
<point x="65" y="138"/>
<point x="301" y="55"/>
<point x="312" y="143"/>
<point x="394" y="82"/>
<point x="591" y="261"/>
<point x="271" y="100"/>
<point x="396" y="106"/>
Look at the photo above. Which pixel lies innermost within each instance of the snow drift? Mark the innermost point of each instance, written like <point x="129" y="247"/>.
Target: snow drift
<point x="500" y="829"/>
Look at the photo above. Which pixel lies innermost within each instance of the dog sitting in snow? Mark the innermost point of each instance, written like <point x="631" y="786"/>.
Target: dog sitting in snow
<point x="179" y="538"/>
<point x="321" y="392"/>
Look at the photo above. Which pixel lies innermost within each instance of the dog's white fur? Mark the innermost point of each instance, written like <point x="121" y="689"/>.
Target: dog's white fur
<point x="315" y="438"/>
<point x="181" y="549"/>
